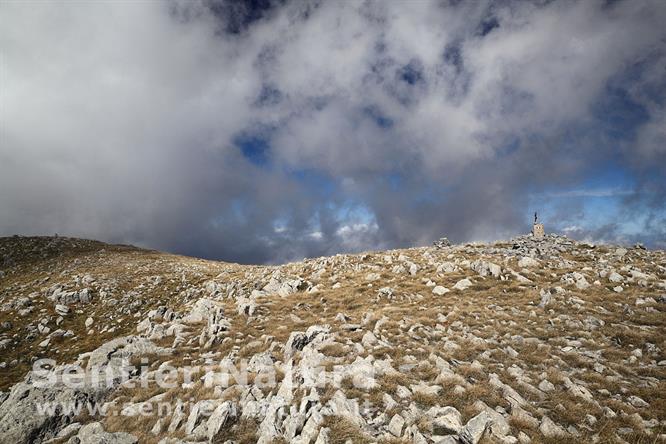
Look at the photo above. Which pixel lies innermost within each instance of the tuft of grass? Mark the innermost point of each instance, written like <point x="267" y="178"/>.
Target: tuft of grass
<point x="425" y="400"/>
<point x="335" y="350"/>
<point x="243" y="431"/>
<point x="342" y="430"/>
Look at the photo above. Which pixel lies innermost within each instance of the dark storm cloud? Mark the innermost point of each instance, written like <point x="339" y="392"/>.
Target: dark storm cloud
<point x="270" y="130"/>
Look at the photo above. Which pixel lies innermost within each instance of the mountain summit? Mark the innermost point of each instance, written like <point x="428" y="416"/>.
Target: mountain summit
<point x="529" y="340"/>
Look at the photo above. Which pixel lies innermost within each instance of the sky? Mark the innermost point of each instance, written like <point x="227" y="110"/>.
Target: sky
<point x="269" y="131"/>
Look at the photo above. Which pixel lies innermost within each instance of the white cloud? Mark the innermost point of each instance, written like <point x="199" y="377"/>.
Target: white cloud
<point x="117" y="119"/>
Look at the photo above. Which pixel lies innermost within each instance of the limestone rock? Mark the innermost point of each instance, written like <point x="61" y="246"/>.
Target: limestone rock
<point x="485" y="268"/>
<point x="396" y="425"/>
<point x="546" y="297"/>
<point x="446" y="420"/>
<point x="94" y="433"/>
<point x="528" y="262"/>
<point x="551" y="430"/>
<point x="221" y="417"/>
<point x="201" y="310"/>
<point x="615" y="277"/>
<point x="474" y="429"/>
<point x="297" y="341"/>
<point x="462" y="284"/>
<point x="117" y="352"/>
<point x="18" y="421"/>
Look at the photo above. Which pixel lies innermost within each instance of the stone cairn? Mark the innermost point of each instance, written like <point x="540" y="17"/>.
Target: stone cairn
<point x="443" y="242"/>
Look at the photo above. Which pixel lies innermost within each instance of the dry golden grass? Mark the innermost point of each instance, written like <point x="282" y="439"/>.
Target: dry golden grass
<point x="335" y="350"/>
<point x="425" y="400"/>
<point x="390" y="382"/>
<point x="243" y="431"/>
<point x="139" y="426"/>
<point x="326" y="393"/>
<point x="342" y="430"/>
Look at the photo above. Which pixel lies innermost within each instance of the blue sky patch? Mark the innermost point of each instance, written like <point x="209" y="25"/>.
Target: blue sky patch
<point x="255" y="148"/>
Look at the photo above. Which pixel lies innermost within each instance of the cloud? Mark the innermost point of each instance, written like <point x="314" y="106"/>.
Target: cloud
<point x="598" y="192"/>
<point x="198" y="127"/>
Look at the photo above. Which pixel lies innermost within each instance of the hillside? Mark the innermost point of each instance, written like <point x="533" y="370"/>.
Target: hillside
<point x="542" y="341"/>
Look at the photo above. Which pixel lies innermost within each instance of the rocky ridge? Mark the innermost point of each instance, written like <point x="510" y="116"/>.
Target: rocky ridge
<point x="524" y="341"/>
